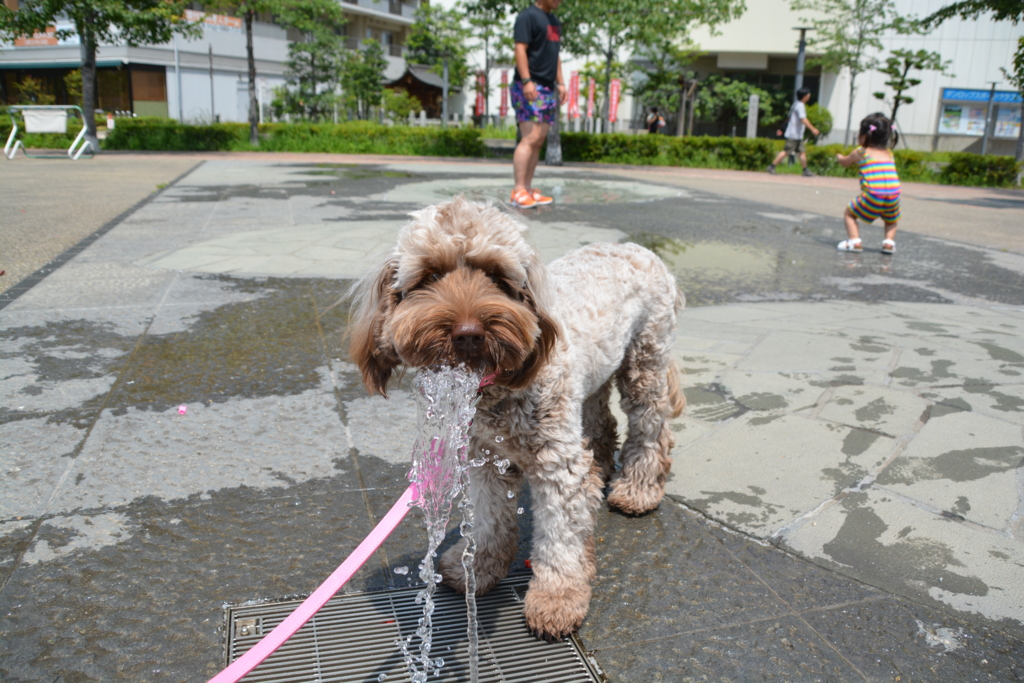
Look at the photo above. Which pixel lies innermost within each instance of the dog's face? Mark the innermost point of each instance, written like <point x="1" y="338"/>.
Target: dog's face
<point x="461" y="287"/>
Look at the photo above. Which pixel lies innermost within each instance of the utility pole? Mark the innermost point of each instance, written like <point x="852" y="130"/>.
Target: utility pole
<point x="800" y="57"/>
<point x="213" y="105"/>
<point x="988" y="117"/>
<point x="177" y="74"/>
<point x="444" y="93"/>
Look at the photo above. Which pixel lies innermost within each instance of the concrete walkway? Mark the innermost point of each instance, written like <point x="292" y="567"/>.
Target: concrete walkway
<point x="847" y="493"/>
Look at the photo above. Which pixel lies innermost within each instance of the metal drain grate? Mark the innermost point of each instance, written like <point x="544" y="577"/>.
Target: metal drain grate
<point x="353" y="639"/>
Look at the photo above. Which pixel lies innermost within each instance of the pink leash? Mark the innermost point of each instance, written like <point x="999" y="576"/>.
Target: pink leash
<point x="311" y="605"/>
<point x="287" y="628"/>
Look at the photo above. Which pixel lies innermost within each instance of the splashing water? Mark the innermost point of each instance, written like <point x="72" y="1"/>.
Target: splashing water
<point x="446" y="399"/>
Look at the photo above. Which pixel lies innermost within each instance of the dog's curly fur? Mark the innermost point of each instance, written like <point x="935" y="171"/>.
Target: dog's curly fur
<point x="464" y="286"/>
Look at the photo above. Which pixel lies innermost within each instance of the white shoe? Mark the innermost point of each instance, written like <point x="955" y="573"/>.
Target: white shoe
<point x="850" y="245"/>
<point x="888" y="247"/>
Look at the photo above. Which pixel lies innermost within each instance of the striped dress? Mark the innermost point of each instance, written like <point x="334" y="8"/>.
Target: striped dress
<point x="880" y="190"/>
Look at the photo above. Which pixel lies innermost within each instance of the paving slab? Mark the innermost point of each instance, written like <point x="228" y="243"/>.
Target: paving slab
<point x="846" y="501"/>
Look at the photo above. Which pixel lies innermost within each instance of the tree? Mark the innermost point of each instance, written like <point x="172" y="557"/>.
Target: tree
<point x="494" y="38"/>
<point x="726" y="101"/>
<point x="361" y="74"/>
<point x="1002" y="10"/>
<point x="609" y="27"/>
<point x="399" y="104"/>
<point x="31" y="90"/>
<point x="248" y="9"/>
<point x="897" y="68"/>
<point x="315" y="61"/>
<point x="1016" y="78"/>
<point x="663" y="63"/>
<point x="848" y="33"/>
<point x="436" y="35"/>
<point x="132" y="22"/>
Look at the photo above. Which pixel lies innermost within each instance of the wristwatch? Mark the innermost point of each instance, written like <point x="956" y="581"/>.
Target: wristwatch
<point x="528" y="80"/>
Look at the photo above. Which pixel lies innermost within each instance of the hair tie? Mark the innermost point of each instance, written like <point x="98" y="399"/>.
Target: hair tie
<point x="871" y="128"/>
<point x="894" y="126"/>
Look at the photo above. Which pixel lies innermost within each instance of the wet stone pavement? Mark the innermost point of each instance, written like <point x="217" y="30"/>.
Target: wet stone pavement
<point x="180" y="429"/>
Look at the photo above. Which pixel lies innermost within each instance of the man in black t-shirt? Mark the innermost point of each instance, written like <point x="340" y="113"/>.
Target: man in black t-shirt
<point x="537" y="92"/>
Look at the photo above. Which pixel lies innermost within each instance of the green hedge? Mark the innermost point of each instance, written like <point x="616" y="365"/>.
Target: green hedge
<point x="980" y="171"/>
<point x="167" y="135"/>
<point x="353" y="137"/>
<point x="754" y="155"/>
<point x="664" y="150"/>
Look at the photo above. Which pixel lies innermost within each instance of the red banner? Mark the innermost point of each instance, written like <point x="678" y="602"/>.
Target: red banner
<point x="481" y="86"/>
<point x="503" y="108"/>
<point x="590" y="98"/>
<point x="574" y="95"/>
<point x="613" y="101"/>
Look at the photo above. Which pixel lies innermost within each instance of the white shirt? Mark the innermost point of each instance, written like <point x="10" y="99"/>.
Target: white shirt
<point x="795" y="127"/>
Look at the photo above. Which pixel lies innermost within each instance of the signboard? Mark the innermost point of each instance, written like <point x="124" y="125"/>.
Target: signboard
<point x="216" y="22"/>
<point x="481" y="86"/>
<point x="964" y="95"/>
<point x="574" y="95"/>
<point x="613" y="100"/>
<point x="49" y="37"/>
<point x="959" y="119"/>
<point x="503" y="107"/>
<point x="590" y="98"/>
<point x="1007" y="122"/>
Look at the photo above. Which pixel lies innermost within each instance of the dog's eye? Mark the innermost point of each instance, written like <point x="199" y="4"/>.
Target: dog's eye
<point x="433" y="277"/>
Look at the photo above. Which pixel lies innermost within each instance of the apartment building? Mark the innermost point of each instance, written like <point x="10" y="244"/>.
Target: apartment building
<point x="200" y="79"/>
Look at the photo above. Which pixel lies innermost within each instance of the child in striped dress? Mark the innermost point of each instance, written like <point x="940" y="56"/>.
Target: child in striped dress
<point x="879" y="183"/>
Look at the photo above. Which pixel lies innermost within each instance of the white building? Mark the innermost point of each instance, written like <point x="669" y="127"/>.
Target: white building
<point x="193" y="80"/>
<point x="948" y="112"/>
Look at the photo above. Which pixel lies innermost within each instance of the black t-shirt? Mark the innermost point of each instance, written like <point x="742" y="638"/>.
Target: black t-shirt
<point x="542" y="33"/>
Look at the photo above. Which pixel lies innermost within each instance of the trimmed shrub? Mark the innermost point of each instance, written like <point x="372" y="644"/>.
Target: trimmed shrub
<point x="167" y="135"/>
<point x="665" y="150"/>
<point x="354" y="137"/>
<point x="366" y="137"/>
<point x="822" y="160"/>
<point x="980" y="171"/>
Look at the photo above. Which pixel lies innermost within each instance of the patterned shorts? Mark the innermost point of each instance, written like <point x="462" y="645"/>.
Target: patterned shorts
<point x="544" y="109"/>
<point x="868" y="207"/>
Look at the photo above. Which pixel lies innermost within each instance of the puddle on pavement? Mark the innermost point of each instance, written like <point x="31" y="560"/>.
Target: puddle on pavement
<point x="352" y="172"/>
<point x="707" y="260"/>
<point x="565" y="191"/>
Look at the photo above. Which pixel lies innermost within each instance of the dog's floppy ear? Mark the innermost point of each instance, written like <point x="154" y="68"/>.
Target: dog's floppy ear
<point x="369" y="348"/>
<point x="536" y="297"/>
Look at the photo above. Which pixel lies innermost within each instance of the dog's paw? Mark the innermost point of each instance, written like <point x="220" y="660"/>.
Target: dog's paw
<point x="554" y="615"/>
<point x="632" y="499"/>
<point x="488" y="570"/>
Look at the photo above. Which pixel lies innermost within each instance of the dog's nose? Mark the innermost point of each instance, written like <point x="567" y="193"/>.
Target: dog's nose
<point x="468" y="337"/>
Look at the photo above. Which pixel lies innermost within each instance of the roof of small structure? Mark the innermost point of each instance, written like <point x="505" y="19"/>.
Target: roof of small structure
<point x="424" y="75"/>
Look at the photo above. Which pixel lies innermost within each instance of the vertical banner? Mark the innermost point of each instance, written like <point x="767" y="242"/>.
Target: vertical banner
<point x="590" y="98"/>
<point x="503" y="108"/>
<point x="574" y="95"/>
<point x="481" y="85"/>
<point x="613" y="100"/>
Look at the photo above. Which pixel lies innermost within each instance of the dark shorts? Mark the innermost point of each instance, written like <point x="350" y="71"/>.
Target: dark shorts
<point x="798" y="146"/>
<point x="544" y="109"/>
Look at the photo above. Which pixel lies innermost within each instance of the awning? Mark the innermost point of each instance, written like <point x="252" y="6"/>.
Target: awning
<point x="11" y="66"/>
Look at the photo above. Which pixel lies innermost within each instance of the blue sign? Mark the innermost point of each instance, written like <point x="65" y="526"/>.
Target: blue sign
<point x="962" y="95"/>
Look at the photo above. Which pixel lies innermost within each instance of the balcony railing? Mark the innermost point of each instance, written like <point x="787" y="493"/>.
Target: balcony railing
<point x="391" y="50"/>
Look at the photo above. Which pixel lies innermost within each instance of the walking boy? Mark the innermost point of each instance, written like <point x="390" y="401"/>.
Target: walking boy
<point x="795" y="131"/>
<point x="537" y="92"/>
